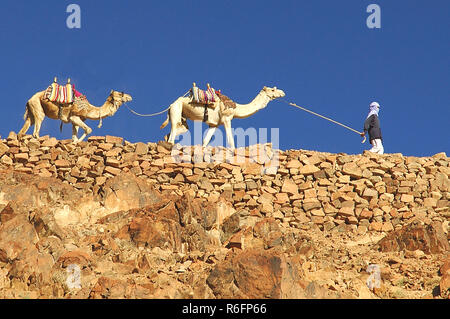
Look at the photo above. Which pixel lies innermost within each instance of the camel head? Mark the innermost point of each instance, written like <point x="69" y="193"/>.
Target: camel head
<point x="273" y="93"/>
<point x="120" y="97"/>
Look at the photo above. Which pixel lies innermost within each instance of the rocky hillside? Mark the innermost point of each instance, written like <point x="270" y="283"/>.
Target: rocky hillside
<point x="112" y="219"/>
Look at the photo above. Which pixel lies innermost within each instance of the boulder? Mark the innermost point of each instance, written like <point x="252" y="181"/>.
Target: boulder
<point x="257" y="274"/>
<point x="428" y="238"/>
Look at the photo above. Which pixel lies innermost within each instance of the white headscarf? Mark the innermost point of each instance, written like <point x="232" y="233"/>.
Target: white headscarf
<point x="374" y="108"/>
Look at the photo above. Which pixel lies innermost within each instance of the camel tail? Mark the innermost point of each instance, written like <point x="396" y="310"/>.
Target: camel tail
<point x="25" y="115"/>
<point x="165" y="123"/>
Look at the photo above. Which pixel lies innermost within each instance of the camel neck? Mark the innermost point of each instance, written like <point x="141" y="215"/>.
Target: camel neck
<point x="258" y="103"/>
<point x="107" y="109"/>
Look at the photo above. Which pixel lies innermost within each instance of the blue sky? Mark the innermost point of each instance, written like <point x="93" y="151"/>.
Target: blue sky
<point x="321" y="53"/>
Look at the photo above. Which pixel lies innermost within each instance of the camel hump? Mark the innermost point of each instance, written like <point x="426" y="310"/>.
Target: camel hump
<point x="229" y="103"/>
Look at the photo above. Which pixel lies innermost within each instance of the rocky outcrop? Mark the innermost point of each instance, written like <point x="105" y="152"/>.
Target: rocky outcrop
<point x="444" y="284"/>
<point x="417" y="236"/>
<point x="112" y="219"/>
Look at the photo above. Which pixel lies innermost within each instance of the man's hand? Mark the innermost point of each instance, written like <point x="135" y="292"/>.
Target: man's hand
<point x="362" y="134"/>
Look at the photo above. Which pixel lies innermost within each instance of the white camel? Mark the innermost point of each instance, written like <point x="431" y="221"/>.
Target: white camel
<point x="183" y="109"/>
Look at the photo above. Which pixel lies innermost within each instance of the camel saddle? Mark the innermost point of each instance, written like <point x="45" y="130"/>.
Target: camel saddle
<point x="65" y="96"/>
<point x="60" y="93"/>
<point x="207" y="97"/>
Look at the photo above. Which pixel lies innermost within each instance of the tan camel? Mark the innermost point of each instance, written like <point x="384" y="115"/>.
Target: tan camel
<point x="38" y="107"/>
<point x="183" y="109"/>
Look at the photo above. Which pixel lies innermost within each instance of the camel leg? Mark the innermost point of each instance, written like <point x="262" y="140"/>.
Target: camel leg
<point x="176" y="110"/>
<point x="75" y="133"/>
<point x="76" y="121"/>
<point x="209" y="135"/>
<point x="173" y="133"/>
<point x="179" y="129"/>
<point x="37" y="115"/>
<point x="230" y="139"/>
<point x="25" y="127"/>
<point x="28" y="122"/>
<point x="37" y="127"/>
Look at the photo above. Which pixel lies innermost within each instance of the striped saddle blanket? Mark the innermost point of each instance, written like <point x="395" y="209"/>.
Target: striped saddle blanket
<point x="63" y="94"/>
<point x="204" y="97"/>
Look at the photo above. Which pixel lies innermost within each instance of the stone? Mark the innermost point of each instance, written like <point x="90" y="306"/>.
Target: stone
<point x="444" y="284"/>
<point x="430" y="202"/>
<point x="387" y="227"/>
<point x="251" y="169"/>
<point x="365" y="214"/>
<point x="62" y="163"/>
<point x="282" y="198"/>
<point x="352" y="220"/>
<point x="376" y="226"/>
<point x="267" y="208"/>
<point x="317" y="212"/>
<point x="311" y="203"/>
<point x="289" y="187"/>
<point x="126" y="191"/>
<point x="310" y="193"/>
<point x="108" y="288"/>
<point x="21" y="157"/>
<point x="369" y="192"/>
<point x="105" y="146"/>
<point x="114" y="140"/>
<point x="441" y="155"/>
<point x="112" y="162"/>
<point x="352" y="169"/>
<point x="112" y="170"/>
<point x="3" y="149"/>
<point x="308" y="170"/>
<point x="428" y="238"/>
<point x="96" y="138"/>
<point x="407" y="198"/>
<point x="294" y="164"/>
<point x="255" y="274"/>
<point x="152" y="232"/>
<point x="141" y="148"/>
<point x="318" y="220"/>
<point x="206" y="185"/>
<point x="77" y="257"/>
<point x="51" y="142"/>
<point x="347" y="211"/>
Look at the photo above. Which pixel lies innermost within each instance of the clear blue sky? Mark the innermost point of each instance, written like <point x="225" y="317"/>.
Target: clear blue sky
<point x="321" y="53"/>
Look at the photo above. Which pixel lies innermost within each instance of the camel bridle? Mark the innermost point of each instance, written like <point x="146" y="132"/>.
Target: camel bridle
<point x="114" y="102"/>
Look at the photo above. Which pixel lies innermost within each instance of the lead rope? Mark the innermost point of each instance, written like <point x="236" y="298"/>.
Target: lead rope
<point x="326" y="118"/>
<point x="100" y="119"/>
<point x="153" y="114"/>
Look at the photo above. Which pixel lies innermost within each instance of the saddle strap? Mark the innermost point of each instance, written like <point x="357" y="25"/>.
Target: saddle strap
<point x="205" y="114"/>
